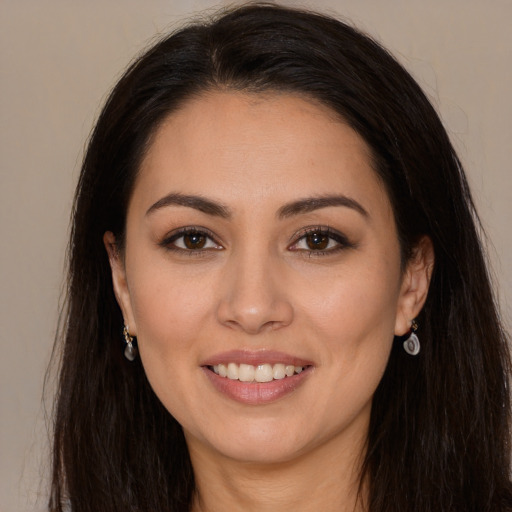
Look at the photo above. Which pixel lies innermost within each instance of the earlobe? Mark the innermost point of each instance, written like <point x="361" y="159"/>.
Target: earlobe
<point x="119" y="281"/>
<point x="415" y="285"/>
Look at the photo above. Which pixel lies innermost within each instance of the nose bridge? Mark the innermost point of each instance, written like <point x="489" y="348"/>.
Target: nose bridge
<point x="252" y="299"/>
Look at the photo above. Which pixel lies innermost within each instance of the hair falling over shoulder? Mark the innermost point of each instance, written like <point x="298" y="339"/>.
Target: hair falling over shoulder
<point x="439" y="437"/>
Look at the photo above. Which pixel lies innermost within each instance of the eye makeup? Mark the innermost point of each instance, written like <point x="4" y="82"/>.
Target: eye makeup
<point x="191" y="240"/>
<point x="320" y="241"/>
<point x="313" y="240"/>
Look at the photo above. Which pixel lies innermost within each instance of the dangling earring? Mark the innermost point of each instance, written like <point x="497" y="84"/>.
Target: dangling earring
<point x="130" y="352"/>
<point x="412" y="343"/>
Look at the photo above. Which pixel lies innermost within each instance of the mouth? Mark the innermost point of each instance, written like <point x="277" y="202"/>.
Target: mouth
<point x="256" y="377"/>
<point x="256" y="373"/>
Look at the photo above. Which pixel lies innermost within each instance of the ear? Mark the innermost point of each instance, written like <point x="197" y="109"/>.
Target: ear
<point x="119" y="281"/>
<point x="415" y="284"/>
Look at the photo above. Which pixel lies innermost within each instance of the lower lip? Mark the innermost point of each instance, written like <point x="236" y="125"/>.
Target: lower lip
<point x="257" y="393"/>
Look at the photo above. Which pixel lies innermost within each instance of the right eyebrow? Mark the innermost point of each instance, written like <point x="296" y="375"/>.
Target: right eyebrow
<point x="191" y="201"/>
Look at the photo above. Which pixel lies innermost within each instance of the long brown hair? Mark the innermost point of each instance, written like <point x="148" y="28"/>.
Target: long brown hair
<point x="440" y="422"/>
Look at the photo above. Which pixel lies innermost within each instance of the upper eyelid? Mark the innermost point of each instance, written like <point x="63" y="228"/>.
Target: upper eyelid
<point x="302" y="232"/>
<point x="179" y="232"/>
<point x="341" y="239"/>
<point x="294" y="239"/>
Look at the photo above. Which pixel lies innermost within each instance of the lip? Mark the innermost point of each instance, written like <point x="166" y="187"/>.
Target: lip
<point x="256" y="393"/>
<point x="255" y="357"/>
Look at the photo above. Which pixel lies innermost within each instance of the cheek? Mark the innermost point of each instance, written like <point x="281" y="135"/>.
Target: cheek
<point x="173" y="312"/>
<point x="353" y="311"/>
<point x="169" y="307"/>
<point x="353" y="326"/>
<point x="368" y="290"/>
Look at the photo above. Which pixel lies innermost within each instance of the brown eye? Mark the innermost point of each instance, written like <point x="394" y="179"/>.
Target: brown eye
<point x="191" y="240"/>
<point x="321" y="241"/>
<point x="317" y="241"/>
<point x="194" y="240"/>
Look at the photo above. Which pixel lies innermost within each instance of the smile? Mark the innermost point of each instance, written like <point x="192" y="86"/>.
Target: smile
<point x="256" y="377"/>
<point x="256" y="373"/>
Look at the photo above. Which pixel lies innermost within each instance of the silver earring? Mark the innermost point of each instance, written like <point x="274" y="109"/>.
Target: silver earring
<point x="412" y="343"/>
<point x="130" y="352"/>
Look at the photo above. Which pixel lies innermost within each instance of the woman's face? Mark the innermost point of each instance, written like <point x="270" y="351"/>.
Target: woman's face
<point x="260" y="243"/>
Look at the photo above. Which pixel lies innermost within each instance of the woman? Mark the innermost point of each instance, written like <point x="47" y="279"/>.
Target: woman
<point x="277" y="296"/>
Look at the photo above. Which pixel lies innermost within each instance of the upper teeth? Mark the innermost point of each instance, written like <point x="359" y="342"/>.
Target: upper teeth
<point x="259" y="373"/>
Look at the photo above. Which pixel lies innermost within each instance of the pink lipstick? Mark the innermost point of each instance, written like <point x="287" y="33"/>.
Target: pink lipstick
<point x="256" y="377"/>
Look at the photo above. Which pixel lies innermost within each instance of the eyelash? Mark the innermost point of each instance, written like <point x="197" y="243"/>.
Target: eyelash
<point x="323" y="231"/>
<point x="169" y="242"/>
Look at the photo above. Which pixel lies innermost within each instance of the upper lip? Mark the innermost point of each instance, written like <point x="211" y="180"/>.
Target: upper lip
<point x="255" y="357"/>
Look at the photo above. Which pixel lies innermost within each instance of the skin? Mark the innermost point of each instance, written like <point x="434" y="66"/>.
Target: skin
<point x="257" y="286"/>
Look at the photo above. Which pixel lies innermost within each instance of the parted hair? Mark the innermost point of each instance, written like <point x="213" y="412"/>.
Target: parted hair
<point x="439" y="436"/>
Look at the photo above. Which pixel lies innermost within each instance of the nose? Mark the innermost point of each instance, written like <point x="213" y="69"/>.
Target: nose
<point x="254" y="295"/>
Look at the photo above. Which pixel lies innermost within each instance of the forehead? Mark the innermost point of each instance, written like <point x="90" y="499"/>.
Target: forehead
<point x="254" y="146"/>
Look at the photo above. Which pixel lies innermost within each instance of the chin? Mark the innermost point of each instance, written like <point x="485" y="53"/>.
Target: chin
<point x="258" y="444"/>
<point x="261" y="452"/>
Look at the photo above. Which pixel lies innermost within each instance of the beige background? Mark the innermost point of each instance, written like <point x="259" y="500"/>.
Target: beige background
<point x="58" y="60"/>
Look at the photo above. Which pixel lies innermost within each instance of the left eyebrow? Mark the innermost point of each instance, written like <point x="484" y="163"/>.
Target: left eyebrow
<point x="310" y="204"/>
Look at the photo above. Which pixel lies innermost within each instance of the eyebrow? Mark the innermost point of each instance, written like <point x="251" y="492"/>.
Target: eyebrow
<point x="306" y="205"/>
<point x="191" y="201"/>
<point x="310" y="204"/>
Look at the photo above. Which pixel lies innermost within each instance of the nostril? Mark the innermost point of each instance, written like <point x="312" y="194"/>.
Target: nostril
<point x="251" y="301"/>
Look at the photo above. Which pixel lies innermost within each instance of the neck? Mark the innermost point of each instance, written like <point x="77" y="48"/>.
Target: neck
<point x="327" y="477"/>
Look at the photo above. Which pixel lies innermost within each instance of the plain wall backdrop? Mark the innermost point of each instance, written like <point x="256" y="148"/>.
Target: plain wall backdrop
<point x="58" y="60"/>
